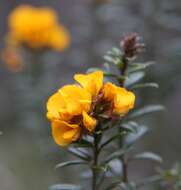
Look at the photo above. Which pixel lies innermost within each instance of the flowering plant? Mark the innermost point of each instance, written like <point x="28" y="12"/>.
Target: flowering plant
<point x="95" y="120"/>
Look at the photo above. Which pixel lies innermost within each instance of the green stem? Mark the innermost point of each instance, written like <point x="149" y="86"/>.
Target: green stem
<point x="95" y="160"/>
<point x="125" y="169"/>
<point x="121" y="83"/>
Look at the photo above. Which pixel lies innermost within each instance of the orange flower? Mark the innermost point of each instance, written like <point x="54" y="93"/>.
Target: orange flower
<point x="37" y="28"/>
<point x="70" y="109"/>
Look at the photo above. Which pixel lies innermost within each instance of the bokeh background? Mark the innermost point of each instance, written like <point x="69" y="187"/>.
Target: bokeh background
<point x="27" y="151"/>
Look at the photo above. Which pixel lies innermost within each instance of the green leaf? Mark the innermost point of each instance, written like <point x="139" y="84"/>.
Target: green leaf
<point x="118" y="136"/>
<point x="93" y="69"/>
<point x="115" y="167"/>
<point x="145" y="85"/>
<point x="146" y="110"/>
<point x="79" y="154"/>
<point x="139" y="66"/>
<point x="65" y="187"/>
<point x="70" y="163"/>
<point x="148" y="156"/>
<point x="127" y="186"/>
<point x="134" y="78"/>
<point x="108" y="58"/>
<point x="131" y="138"/>
<point x="115" y="51"/>
<point x="117" y="154"/>
<point x="130" y="126"/>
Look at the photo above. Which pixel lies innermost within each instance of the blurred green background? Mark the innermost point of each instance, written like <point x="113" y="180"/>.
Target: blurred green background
<point x="27" y="151"/>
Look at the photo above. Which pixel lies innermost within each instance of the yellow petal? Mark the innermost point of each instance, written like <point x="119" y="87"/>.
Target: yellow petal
<point x="64" y="133"/>
<point x="72" y="134"/>
<point x="55" y="102"/>
<point x="123" y="101"/>
<point x="89" y="122"/>
<point x="109" y="91"/>
<point x="77" y="99"/>
<point x="91" y="82"/>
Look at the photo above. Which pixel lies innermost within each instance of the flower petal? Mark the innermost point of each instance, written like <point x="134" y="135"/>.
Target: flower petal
<point x="64" y="133"/>
<point x="91" y="82"/>
<point x="89" y="122"/>
<point x="54" y="103"/>
<point x="123" y="101"/>
<point x="76" y="99"/>
<point x="109" y="91"/>
<point x="72" y="134"/>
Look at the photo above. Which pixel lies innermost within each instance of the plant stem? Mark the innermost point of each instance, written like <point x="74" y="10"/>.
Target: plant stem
<point x="125" y="169"/>
<point x="123" y="70"/>
<point x="95" y="161"/>
<point x="121" y="83"/>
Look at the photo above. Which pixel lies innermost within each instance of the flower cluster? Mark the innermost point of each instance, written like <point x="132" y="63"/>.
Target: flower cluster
<point x="37" y="28"/>
<point x="131" y="45"/>
<point x="74" y="110"/>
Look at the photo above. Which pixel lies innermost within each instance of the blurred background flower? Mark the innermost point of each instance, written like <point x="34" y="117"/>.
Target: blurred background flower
<point x="27" y="150"/>
<point x="37" y="28"/>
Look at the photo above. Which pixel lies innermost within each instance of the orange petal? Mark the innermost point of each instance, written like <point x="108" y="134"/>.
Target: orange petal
<point x="123" y="101"/>
<point x="91" y="82"/>
<point x="55" y="102"/>
<point x="64" y="133"/>
<point x="72" y="134"/>
<point x="109" y="91"/>
<point x="76" y="98"/>
<point x="89" y="122"/>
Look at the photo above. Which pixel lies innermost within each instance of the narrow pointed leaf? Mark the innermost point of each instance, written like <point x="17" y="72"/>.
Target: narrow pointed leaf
<point x="93" y="69"/>
<point x="134" y="78"/>
<point x="146" y="110"/>
<point x="145" y="85"/>
<point x="65" y="187"/>
<point x="117" y="154"/>
<point x="140" y="66"/>
<point x="122" y="186"/>
<point x="115" y="167"/>
<point x="70" y="163"/>
<point x="118" y="136"/>
<point x="133" y="137"/>
<point x="79" y="154"/>
<point x="148" y="156"/>
<point x="130" y="126"/>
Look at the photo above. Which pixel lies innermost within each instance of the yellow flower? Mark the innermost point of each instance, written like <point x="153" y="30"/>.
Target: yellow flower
<point x="122" y="100"/>
<point x="68" y="110"/>
<point x="72" y="109"/>
<point x="37" y="28"/>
